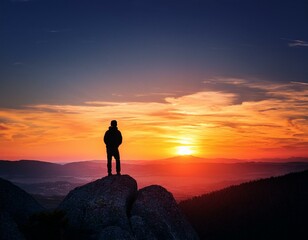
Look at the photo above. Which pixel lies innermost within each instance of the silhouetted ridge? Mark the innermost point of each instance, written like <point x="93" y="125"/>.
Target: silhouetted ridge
<point x="16" y="207"/>
<point x="273" y="208"/>
<point x="16" y="202"/>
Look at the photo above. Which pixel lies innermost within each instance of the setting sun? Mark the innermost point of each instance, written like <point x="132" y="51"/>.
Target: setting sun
<point x="184" y="150"/>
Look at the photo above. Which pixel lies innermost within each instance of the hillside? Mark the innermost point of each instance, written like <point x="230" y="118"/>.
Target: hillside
<point x="273" y="208"/>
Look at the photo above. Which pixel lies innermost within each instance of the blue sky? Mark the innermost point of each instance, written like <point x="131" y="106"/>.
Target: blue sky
<point x="220" y="78"/>
<point x="69" y="52"/>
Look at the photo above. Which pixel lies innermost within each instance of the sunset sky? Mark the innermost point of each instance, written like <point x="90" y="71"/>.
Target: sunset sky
<point x="213" y="79"/>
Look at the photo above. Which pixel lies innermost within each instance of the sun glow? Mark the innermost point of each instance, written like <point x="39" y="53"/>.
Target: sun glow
<point x="184" y="150"/>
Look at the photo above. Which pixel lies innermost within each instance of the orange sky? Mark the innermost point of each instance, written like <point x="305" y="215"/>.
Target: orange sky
<point x="208" y="123"/>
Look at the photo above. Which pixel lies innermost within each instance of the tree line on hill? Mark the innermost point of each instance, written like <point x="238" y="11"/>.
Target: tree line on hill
<point x="273" y="208"/>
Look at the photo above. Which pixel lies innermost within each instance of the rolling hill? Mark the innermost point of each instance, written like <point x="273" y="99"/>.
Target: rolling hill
<point x="273" y="208"/>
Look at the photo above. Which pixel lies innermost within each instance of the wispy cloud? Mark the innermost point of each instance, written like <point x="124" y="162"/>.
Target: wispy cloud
<point x="300" y="83"/>
<point x="298" y="43"/>
<point x="215" y="123"/>
<point x="154" y="94"/>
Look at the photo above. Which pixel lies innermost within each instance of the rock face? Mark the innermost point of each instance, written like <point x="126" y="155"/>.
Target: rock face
<point x="16" y="207"/>
<point x="112" y="208"/>
<point x="101" y="204"/>
<point x="155" y="215"/>
<point x="114" y="232"/>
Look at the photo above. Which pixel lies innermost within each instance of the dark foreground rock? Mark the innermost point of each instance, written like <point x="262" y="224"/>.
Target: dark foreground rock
<point x="114" y="232"/>
<point x="16" y="207"/>
<point x="100" y="204"/>
<point x="112" y="208"/>
<point x="155" y="215"/>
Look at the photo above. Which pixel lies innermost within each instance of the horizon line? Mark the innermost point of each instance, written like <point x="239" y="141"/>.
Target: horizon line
<point x="265" y="159"/>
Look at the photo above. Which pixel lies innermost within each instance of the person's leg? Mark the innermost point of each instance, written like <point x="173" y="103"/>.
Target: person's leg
<point x="109" y="165"/>
<point x="116" y="155"/>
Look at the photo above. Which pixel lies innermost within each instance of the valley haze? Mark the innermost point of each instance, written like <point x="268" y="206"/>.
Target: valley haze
<point x="184" y="176"/>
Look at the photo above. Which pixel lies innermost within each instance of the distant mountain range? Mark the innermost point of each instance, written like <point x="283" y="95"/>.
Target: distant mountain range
<point x="97" y="168"/>
<point x="184" y="176"/>
<point x="273" y="208"/>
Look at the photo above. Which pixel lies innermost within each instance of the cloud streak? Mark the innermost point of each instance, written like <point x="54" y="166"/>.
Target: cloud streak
<point x="298" y="43"/>
<point x="213" y="123"/>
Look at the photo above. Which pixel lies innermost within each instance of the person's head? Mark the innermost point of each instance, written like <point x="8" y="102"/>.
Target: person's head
<point x="113" y="123"/>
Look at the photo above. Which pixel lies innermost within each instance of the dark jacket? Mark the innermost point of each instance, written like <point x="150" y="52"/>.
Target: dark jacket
<point x="113" y="138"/>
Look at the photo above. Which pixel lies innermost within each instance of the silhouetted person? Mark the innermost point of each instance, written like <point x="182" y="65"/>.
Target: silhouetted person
<point x="113" y="139"/>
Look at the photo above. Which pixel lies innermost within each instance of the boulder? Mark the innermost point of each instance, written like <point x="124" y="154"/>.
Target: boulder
<point x="108" y="208"/>
<point x="100" y="204"/>
<point x="155" y="215"/>
<point x="140" y="229"/>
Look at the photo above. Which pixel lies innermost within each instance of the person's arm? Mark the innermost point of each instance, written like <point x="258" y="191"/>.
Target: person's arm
<point x="106" y="137"/>
<point x="120" y="138"/>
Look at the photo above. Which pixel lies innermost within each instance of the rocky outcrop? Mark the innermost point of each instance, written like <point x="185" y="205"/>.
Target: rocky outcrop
<point x="114" y="233"/>
<point x="155" y="215"/>
<point x="16" y="207"/>
<point x="112" y="208"/>
<point x="101" y="204"/>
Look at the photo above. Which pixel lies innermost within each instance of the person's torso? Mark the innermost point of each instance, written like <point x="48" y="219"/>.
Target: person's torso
<point x="113" y="137"/>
